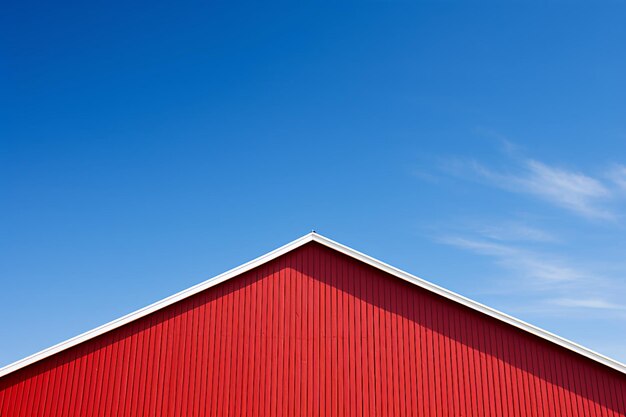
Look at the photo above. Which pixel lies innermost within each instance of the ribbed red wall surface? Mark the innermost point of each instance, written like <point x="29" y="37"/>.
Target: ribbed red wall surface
<point x="315" y="333"/>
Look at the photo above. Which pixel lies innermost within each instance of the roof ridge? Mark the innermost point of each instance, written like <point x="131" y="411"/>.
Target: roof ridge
<point x="313" y="236"/>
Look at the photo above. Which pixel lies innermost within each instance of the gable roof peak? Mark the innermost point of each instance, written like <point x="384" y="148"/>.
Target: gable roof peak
<point x="313" y="236"/>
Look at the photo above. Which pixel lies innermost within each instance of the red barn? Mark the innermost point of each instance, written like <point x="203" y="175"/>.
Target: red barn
<point x="315" y="329"/>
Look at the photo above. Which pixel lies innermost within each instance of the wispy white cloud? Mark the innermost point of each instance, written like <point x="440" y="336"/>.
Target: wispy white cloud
<point x="533" y="275"/>
<point x="524" y="263"/>
<point x="571" y="190"/>
<point x="593" y="303"/>
<point x="537" y="273"/>
<point x="617" y="174"/>
<point x="513" y="231"/>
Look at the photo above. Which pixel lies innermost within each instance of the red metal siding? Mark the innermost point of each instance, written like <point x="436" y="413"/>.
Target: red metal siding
<point x="315" y="333"/>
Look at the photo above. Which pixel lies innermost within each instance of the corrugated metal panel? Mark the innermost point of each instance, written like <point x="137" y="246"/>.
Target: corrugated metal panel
<point x="315" y="333"/>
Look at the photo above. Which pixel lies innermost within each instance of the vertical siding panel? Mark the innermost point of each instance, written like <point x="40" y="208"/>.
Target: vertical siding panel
<point x="497" y="380"/>
<point x="578" y="399"/>
<point x="619" y="391"/>
<point x="45" y="406"/>
<point x="23" y="399"/>
<point x="192" y="361"/>
<point x="346" y="339"/>
<point x="439" y="378"/>
<point x="124" y="364"/>
<point x="532" y="388"/>
<point x="588" y="394"/>
<point x="429" y="376"/>
<point x="480" y="367"/>
<point x="17" y="406"/>
<point x="113" y="381"/>
<point x="33" y="392"/>
<point x="252" y="346"/>
<point x="319" y="316"/>
<point x="515" y="374"/>
<point x="102" y="363"/>
<point x="68" y="391"/>
<point x="366" y="395"/>
<point x="329" y="348"/>
<point x="403" y="363"/>
<point x="285" y="313"/>
<point x="131" y="369"/>
<point x="246" y="352"/>
<point x="306" y="340"/>
<point x="487" y="359"/>
<point x="230" y="352"/>
<point x="395" y="365"/>
<point x="217" y="361"/>
<point x="167" y="365"/>
<point x="333" y="298"/>
<point x="157" y="368"/>
<point x="3" y="392"/>
<point x="240" y="327"/>
<point x="61" y="365"/>
<point x="195" y="361"/>
<point x="612" y="394"/>
<point x="230" y="332"/>
<point x="539" y="373"/>
<point x="547" y="378"/>
<point x="29" y="394"/>
<point x="474" y="386"/>
<point x="45" y="394"/>
<point x="560" y="394"/>
<point x="8" y="406"/>
<point x="289" y="322"/>
<point x="381" y="398"/>
<point x="282" y="337"/>
<point x="456" y="357"/>
<point x="86" y="374"/>
<point x="272" y="352"/>
<point x="469" y="383"/>
<point x="506" y="380"/>
<point x="212" y="343"/>
<point x="146" y="349"/>
<point x="297" y="334"/>
<point x="173" y="362"/>
<point x="597" y="393"/>
<point x="313" y="388"/>
<point x="369" y="323"/>
<point x="420" y="374"/>
<point x="408" y="353"/>
<point x="447" y="363"/>
<point x="386" y="341"/>
<point x="355" y="282"/>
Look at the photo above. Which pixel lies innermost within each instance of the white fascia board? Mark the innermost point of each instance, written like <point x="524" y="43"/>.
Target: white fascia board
<point x="314" y="237"/>
<point x="474" y="305"/>
<point x="155" y="306"/>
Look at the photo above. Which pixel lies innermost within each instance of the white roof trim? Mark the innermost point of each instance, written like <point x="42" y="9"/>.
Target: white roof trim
<point x="314" y="237"/>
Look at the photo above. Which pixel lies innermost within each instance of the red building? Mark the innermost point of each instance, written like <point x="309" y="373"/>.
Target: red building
<point x="315" y="329"/>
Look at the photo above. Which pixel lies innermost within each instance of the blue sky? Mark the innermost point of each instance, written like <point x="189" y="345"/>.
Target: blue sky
<point x="147" y="147"/>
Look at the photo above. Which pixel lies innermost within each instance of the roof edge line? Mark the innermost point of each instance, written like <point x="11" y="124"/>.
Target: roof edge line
<point x="474" y="305"/>
<point x="315" y="237"/>
<point x="142" y="312"/>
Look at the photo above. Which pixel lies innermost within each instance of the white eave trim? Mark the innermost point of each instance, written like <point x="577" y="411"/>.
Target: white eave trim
<point x="314" y="237"/>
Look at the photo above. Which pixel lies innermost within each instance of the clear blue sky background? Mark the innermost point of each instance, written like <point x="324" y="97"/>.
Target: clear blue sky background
<point x="145" y="148"/>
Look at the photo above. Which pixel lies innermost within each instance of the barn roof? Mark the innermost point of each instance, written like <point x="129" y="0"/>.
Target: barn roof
<point x="315" y="237"/>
